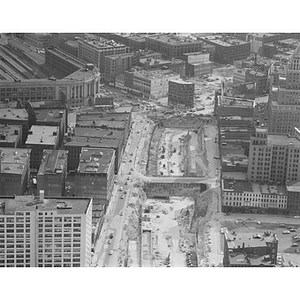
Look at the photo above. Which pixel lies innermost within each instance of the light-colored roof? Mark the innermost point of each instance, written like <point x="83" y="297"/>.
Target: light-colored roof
<point x="46" y="135"/>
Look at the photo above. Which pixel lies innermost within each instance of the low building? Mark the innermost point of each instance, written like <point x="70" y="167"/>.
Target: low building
<point x="16" y="116"/>
<point x="227" y="49"/>
<point x="181" y="94"/>
<point x="151" y="84"/>
<point x="58" y="231"/>
<point x="244" y="196"/>
<point x="15" y="167"/>
<point x="40" y="40"/>
<point x="104" y="100"/>
<point x="10" y="135"/>
<point x="198" y="64"/>
<point x="41" y="138"/>
<point x="52" y="174"/>
<point x="115" y="65"/>
<point x="248" y="250"/>
<point x="74" y="145"/>
<point x="95" y="173"/>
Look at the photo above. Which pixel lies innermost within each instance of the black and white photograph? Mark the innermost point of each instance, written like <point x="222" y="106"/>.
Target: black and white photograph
<point x="130" y="144"/>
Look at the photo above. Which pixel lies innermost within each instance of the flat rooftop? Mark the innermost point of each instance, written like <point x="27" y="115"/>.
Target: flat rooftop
<point x="10" y="133"/>
<point x="80" y="141"/>
<point x="101" y="43"/>
<point x="228" y="43"/>
<point x="152" y="74"/>
<point x="173" y="39"/>
<point x="277" y="139"/>
<point x="98" y="132"/>
<point x="247" y="240"/>
<point x="95" y="160"/>
<point x="14" y="160"/>
<point x="82" y="74"/>
<point x="44" y="135"/>
<point x="61" y="205"/>
<point x="245" y="186"/>
<point x="14" y="114"/>
<point x="48" y="114"/>
<point x="104" y="116"/>
<point x="53" y="162"/>
<point x="181" y="81"/>
<point x="121" y="55"/>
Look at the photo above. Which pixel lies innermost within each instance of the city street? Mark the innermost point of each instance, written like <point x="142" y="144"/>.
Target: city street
<point x="108" y="253"/>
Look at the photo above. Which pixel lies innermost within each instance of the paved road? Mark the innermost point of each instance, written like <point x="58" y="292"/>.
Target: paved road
<point x="108" y="254"/>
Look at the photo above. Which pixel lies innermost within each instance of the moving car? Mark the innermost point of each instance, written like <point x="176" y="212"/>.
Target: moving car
<point x="286" y="232"/>
<point x="111" y="252"/>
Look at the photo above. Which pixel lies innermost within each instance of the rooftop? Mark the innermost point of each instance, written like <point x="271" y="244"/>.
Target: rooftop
<point x="48" y="114"/>
<point x="228" y="42"/>
<point x="62" y="205"/>
<point x="14" y="114"/>
<point x="181" y="81"/>
<point x="153" y="74"/>
<point x="278" y="139"/>
<point x="14" y="160"/>
<point x="64" y="55"/>
<point x="247" y="240"/>
<point x="98" y="132"/>
<point x="173" y="39"/>
<point x="245" y="186"/>
<point x="82" y="74"/>
<point x="10" y="133"/>
<point x="95" y="160"/>
<point x="80" y="141"/>
<point x="101" y="43"/>
<point x="53" y="161"/>
<point x="40" y="134"/>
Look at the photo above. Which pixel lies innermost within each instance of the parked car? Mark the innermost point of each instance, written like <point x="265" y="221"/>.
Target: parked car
<point x="111" y="252"/>
<point x="286" y="232"/>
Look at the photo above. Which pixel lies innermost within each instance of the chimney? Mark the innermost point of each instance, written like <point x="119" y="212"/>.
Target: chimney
<point x="42" y="194"/>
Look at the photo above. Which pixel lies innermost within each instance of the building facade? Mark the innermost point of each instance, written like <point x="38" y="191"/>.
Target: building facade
<point x="152" y="84"/>
<point x="41" y="138"/>
<point x="172" y="45"/>
<point x="15" y="168"/>
<point x="95" y="173"/>
<point x="274" y="158"/>
<point x="181" y="94"/>
<point x="45" y="232"/>
<point x="284" y="100"/>
<point x="94" y="51"/>
<point x="52" y="174"/>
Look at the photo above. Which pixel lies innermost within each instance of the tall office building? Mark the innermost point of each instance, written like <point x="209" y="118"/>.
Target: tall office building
<point x="45" y="232"/>
<point x="284" y="99"/>
<point x="274" y="158"/>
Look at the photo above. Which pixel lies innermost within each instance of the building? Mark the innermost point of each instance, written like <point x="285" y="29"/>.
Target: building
<point x="95" y="173"/>
<point x="62" y="62"/>
<point x="244" y="196"/>
<point x="15" y="167"/>
<point x="52" y="174"/>
<point x="93" y="50"/>
<point x="250" y="250"/>
<point x="274" y="158"/>
<point x="227" y="50"/>
<point x="15" y="116"/>
<point x="76" y="90"/>
<point x="34" y="57"/>
<point x="40" y="138"/>
<point x="172" y="45"/>
<point x="197" y="64"/>
<point x="181" y="94"/>
<point x="239" y="76"/>
<point x="115" y="65"/>
<point x="152" y="84"/>
<point x="135" y="41"/>
<point x="10" y="135"/>
<point x="52" y="116"/>
<point x="39" y="40"/>
<point x="259" y="79"/>
<point x="45" y="232"/>
<point x="74" y="145"/>
<point x="104" y="100"/>
<point x="284" y="112"/>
